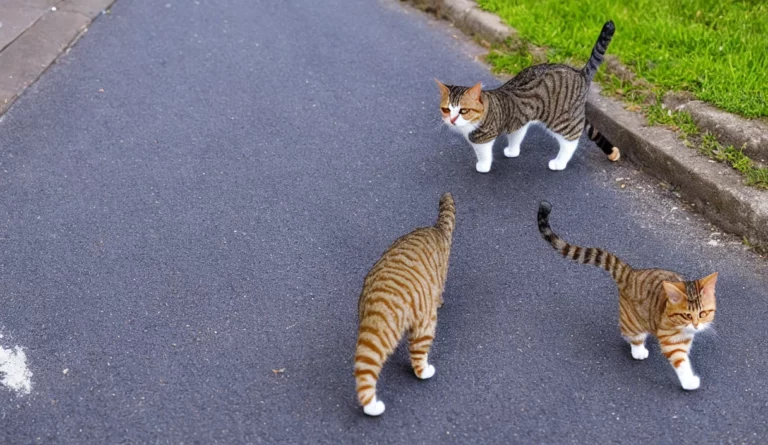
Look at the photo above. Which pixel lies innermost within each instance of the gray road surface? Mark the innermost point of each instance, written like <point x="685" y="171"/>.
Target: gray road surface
<point x="189" y="202"/>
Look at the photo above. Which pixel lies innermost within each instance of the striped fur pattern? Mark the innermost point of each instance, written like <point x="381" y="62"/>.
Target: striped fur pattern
<point x="401" y="294"/>
<point x="651" y="301"/>
<point x="549" y="94"/>
<point x="606" y="146"/>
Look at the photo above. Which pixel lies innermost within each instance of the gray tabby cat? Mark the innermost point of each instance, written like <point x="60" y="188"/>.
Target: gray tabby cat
<point x="550" y="94"/>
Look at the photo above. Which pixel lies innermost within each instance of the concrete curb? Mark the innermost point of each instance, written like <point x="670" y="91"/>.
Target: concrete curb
<point x="730" y="129"/>
<point x="30" y="53"/>
<point x="469" y="18"/>
<point x="716" y="190"/>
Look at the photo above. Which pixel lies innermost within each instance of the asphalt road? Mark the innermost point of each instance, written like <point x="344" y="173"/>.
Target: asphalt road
<point x="189" y="202"/>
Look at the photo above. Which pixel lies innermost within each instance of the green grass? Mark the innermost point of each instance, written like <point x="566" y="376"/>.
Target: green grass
<point x="679" y="120"/>
<point x="756" y="176"/>
<point x="707" y="144"/>
<point x="715" y="49"/>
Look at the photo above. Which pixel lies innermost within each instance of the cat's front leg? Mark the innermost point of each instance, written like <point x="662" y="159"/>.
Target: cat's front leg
<point x="675" y="348"/>
<point x="484" y="153"/>
<point x="688" y="380"/>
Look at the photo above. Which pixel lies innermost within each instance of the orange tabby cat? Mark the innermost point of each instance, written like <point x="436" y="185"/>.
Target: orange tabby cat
<point x="401" y="293"/>
<point x="651" y="301"/>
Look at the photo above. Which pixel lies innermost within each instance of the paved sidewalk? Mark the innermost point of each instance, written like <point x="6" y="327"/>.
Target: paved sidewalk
<point x="32" y="35"/>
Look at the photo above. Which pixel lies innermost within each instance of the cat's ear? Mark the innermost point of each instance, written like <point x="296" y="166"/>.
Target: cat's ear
<point x="474" y="92"/>
<point x="443" y="89"/>
<point x="675" y="291"/>
<point x="707" y="286"/>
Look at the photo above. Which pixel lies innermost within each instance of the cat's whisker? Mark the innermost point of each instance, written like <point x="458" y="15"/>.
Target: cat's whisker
<point x="437" y="127"/>
<point x="710" y="331"/>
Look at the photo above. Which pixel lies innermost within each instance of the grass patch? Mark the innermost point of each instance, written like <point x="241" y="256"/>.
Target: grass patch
<point x="707" y="144"/>
<point x="510" y="61"/>
<point x="715" y="49"/>
<point x="679" y="121"/>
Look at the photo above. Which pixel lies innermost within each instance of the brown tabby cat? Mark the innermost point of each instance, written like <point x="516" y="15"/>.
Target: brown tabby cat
<point x="651" y="301"/>
<point x="401" y="293"/>
<point x="549" y="94"/>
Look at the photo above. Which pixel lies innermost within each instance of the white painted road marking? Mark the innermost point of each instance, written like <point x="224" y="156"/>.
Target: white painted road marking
<point x="13" y="370"/>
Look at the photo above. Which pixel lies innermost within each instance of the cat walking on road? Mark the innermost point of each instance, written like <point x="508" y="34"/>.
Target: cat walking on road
<point x="651" y="301"/>
<point x="553" y="95"/>
<point x="401" y="294"/>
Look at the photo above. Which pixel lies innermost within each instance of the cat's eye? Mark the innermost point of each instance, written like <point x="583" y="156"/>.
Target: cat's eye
<point x="688" y="316"/>
<point x="703" y="314"/>
<point x="463" y="111"/>
<point x="445" y="110"/>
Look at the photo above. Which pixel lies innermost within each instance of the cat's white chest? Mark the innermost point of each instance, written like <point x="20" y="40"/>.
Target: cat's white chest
<point x="465" y="130"/>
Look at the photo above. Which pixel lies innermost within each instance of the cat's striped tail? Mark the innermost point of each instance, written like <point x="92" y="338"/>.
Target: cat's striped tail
<point x="618" y="269"/>
<point x="598" y="51"/>
<point x="446" y="218"/>
<point x="605" y="145"/>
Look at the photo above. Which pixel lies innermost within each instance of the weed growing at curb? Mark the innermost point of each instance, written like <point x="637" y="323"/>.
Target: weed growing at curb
<point x="707" y="144"/>
<point x="680" y="121"/>
<point x="756" y="176"/>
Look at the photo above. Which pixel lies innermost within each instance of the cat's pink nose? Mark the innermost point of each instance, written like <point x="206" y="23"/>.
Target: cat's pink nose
<point x="453" y="119"/>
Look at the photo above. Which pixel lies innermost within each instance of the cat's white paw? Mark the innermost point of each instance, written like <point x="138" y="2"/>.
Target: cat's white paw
<point x="375" y="408"/>
<point x="556" y="164"/>
<point x="428" y="372"/>
<point x="639" y="352"/>
<point x="512" y="152"/>
<point x="483" y="167"/>
<point x="690" y="382"/>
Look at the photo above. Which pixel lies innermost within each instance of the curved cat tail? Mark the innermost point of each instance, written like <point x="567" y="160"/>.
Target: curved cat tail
<point x="598" y="51"/>
<point x="446" y="218"/>
<point x="618" y="269"/>
<point x="612" y="152"/>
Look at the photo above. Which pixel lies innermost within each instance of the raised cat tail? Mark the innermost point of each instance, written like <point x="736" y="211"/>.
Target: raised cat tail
<point x="598" y="51"/>
<point x="446" y="218"/>
<point x="618" y="269"/>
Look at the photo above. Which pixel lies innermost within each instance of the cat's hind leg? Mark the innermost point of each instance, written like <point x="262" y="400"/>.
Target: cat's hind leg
<point x="631" y="330"/>
<point x="484" y="153"/>
<point x="567" y="148"/>
<point x="375" y="342"/>
<point x="515" y="139"/>
<point x="419" y="342"/>
<point x="368" y="365"/>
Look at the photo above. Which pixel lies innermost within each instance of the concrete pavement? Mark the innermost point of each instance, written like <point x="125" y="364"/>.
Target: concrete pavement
<point x="32" y="35"/>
